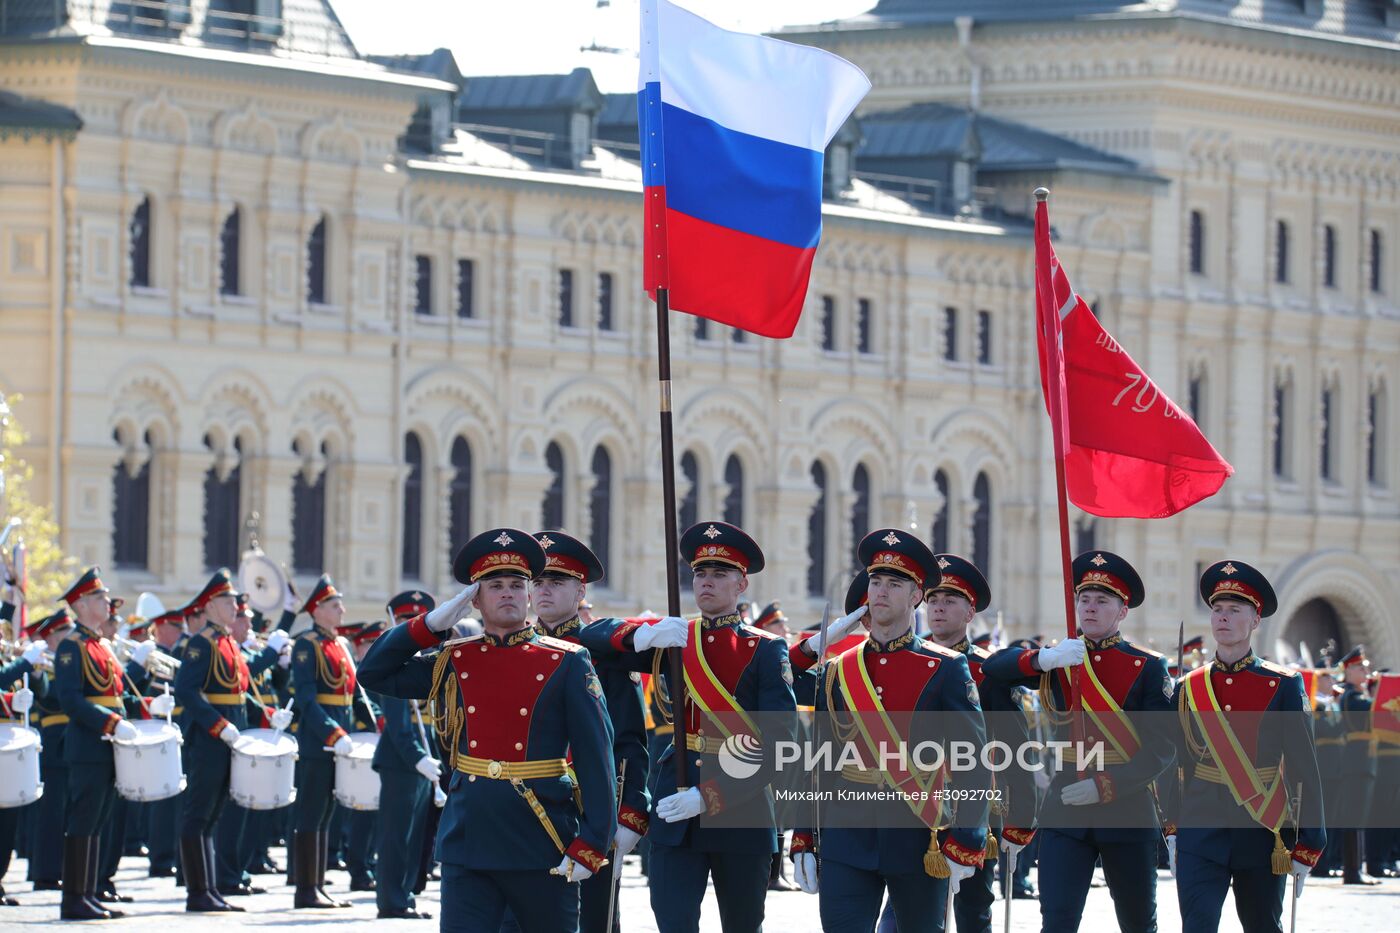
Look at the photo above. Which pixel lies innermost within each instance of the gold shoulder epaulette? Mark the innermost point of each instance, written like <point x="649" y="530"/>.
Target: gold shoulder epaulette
<point x="558" y="643"/>
<point x="462" y="641"/>
<point x="752" y="631"/>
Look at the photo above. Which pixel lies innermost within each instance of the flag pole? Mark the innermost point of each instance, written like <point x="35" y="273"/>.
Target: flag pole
<point x="675" y="670"/>
<point x="1055" y="385"/>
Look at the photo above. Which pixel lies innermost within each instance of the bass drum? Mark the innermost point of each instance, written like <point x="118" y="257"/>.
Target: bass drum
<point x="262" y="774"/>
<point x="356" y="781"/>
<point x="19" y="766"/>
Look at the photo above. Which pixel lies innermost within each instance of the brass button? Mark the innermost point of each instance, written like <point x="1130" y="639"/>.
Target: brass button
<point x="483" y="647"/>
<point x="464" y="675"/>
<point x="457" y="653"/>
<point x="1273" y="683"/>
<point x="472" y="743"/>
<point x="1098" y="657"/>
<point x="1137" y="662"/>
<point x="471" y="777"/>
<point x="709" y="638"/>
<point x="524" y="711"/>
<point x="753" y="642"/>
<point x="933" y="664"/>
<point x="518" y="746"/>
<point x="884" y="660"/>
<point x="555" y="656"/>
<point x="1229" y="680"/>
<point x="471" y="709"/>
<point x="539" y="677"/>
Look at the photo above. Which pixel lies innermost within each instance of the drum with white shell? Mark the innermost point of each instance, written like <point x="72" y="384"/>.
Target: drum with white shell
<point x="356" y="781"/>
<point x="148" y="766"/>
<point x="19" y="766"/>
<point x="262" y="773"/>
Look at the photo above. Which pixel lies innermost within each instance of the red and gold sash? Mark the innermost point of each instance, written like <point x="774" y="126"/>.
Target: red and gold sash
<point x="1267" y="807"/>
<point x="879" y="733"/>
<point x="1385" y="709"/>
<point x="1106" y="714"/>
<point x="707" y="691"/>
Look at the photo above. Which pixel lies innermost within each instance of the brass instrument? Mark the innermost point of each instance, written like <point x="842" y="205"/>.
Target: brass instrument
<point x="161" y="665"/>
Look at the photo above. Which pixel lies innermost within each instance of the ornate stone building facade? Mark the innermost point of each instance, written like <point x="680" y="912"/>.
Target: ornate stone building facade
<point x="383" y="306"/>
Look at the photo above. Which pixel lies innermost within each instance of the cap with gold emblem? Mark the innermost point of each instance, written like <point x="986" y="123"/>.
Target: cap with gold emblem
<point x="220" y="584"/>
<point x="323" y="592"/>
<point x="1355" y="656"/>
<point x="1234" y="579"/>
<point x="961" y="576"/>
<point x="410" y="603"/>
<point x="567" y="555"/>
<point x="498" y="551"/>
<point x="50" y="624"/>
<point x="90" y="582"/>
<point x="889" y="550"/>
<point x="720" y="544"/>
<point x="1104" y="570"/>
<point x="771" y="614"/>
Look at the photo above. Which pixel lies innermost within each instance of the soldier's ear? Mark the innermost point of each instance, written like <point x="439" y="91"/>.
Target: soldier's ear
<point x="743" y="582"/>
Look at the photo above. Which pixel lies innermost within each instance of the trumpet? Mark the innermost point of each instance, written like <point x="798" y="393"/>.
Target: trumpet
<point x="9" y="650"/>
<point x="161" y="665"/>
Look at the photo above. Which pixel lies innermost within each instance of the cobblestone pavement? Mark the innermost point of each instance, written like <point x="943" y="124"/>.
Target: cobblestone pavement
<point x="1325" y="906"/>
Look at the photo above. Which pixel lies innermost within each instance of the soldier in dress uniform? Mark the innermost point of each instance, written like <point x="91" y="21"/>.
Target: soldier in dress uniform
<point x="94" y="694"/>
<point x="555" y="594"/>
<point x="893" y="671"/>
<point x="408" y="771"/>
<point x="953" y="599"/>
<point x="1246" y="735"/>
<point x="212" y="686"/>
<point x="1358" y="764"/>
<point x="521" y="717"/>
<point x="732" y="668"/>
<point x="1120" y="821"/>
<point x="47" y="716"/>
<point x="324" y="682"/>
<point x="361" y="825"/>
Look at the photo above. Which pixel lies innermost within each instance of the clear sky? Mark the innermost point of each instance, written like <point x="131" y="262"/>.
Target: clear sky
<point x="545" y="36"/>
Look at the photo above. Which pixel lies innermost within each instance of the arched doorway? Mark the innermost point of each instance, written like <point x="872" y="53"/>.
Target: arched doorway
<point x="1315" y="624"/>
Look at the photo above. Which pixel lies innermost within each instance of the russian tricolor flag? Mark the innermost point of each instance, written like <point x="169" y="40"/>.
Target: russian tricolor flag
<point x="733" y="128"/>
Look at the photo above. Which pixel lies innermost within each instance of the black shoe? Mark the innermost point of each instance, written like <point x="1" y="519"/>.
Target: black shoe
<point x="267" y="867"/>
<point x="48" y="885"/>
<point x="243" y="890"/>
<point x="109" y="895"/>
<point x="305" y="861"/>
<point x="1023" y="892"/>
<point x="7" y="901"/>
<point x="75" y="905"/>
<point x="362" y="884"/>
<point x="1360" y="879"/>
<point x="161" y="871"/>
<point x="408" y="913"/>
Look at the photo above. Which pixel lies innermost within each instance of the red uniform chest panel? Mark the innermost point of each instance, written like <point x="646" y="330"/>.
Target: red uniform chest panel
<point x="338" y="664"/>
<point x="900" y="677"/>
<point x="975" y="657"/>
<point x="1244" y="695"/>
<point x="231" y="659"/>
<point x="1116" y="670"/>
<point x="728" y="651"/>
<point x="105" y="663"/>
<point x="500" y="687"/>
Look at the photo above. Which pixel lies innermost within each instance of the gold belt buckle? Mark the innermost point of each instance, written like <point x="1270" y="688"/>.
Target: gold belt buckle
<point x="493" y="770"/>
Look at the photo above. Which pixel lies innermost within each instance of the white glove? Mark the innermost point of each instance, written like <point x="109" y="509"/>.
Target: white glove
<point x="670" y="632"/>
<point x="285" y="661"/>
<point x="162" y="705"/>
<point x="1011" y="849"/>
<point x="1297" y="869"/>
<point x="229" y="734"/>
<point x="251" y="642"/>
<point x="1066" y="654"/>
<point x="453" y="611"/>
<point x="1080" y="793"/>
<point x="836" y="631"/>
<point x="682" y="806"/>
<point x="278" y="640"/>
<point x="343" y="745"/>
<point x="34" y="653"/>
<point x="142" y="652"/>
<point x="1171" y="854"/>
<point x="624" y="841"/>
<point x="957" y="874"/>
<point x="124" y="732"/>
<point x="1042" y="779"/>
<point x="429" y="767"/>
<point x="804" y="871"/>
<point x="572" y="871"/>
<point x="23" y="700"/>
<point x="281" y="719"/>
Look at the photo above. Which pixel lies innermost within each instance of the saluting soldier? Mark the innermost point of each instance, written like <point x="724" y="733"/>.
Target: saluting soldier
<point x="1118" y="813"/>
<point x="1358" y="764"/>
<point x="514" y="707"/>
<point x="212" y="686"/>
<point x="1246" y="742"/>
<point x="954" y="598"/>
<point x="732" y="670"/>
<point x="891" y="672"/>
<point x="556" y="595"/>
<point x="46" y="840"/>
<point x="408" y="771"/>
<point x="94" y="694"/>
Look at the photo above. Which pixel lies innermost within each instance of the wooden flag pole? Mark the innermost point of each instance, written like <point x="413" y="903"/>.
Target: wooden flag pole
<point x="675" y="668"/>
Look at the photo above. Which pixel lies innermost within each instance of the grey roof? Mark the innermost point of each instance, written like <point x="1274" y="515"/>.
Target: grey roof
<point x="531" y="92"/>
<point x="618" y="119"/>
<point x="1377" y="20"/>
<point x="35" y="117"/>
<point x="304" y="28"/>
<point x="439" y="63"/>
<point x="942" y="131"/>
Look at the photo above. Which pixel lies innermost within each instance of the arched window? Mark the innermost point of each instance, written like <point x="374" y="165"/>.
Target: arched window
<point x="141" y="244"/>
<point x="1377" y="262"/>
<point x="316" y="264"/>
<point x="411" y="549"/>
<point x="605" y="301"/>
<point x="1197" y="398"/>
<point x="982" y="524"/>
<point x="1283" y="429"/>
<point x="984" y="338"/>
<point x="734" y="492"/>
<point x="222" y="510"/>
<point x="1085" y="535"/>
<point x="938" y="529"/>
<point x="131" y="509"/>
<point x="1329" y="256"/>
<point x="230" y="244"/>
<point x="688" y="509"/>
<point x="552" y="510"/>
<point x="1377" y="433"/>
<point x="950" y="333"/>
<point x="1281" y="252"/>
<point x="460" y="495"/>
<point x="860" y="504"/>
<point x="600" y="506"/>
<point x="309" y="516"/>
<point x="422" y="284"/>
<point x="827" y="335"/>
<point x="865" y="343"/>
<point x="816" y="534"/>
<point x="1327" y="440"/>
<point x="1196" y="243"/>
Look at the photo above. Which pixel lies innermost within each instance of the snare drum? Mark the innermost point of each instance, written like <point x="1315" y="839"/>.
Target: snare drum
<point x="356" y="781"/>
<point x="19" y="766"/>
<point x="262" y="775"/>
<point x="148" y="766"/>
